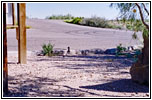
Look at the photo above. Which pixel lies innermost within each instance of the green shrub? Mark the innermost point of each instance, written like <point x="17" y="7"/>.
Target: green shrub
<point x="120" y="49"/>
<point x="118" y="27"/>
<point x="76" y="20"/>
<point x="95" y="22"/>
<point x="61" y="17"/>
<point x="47" y="49"/>
<point x="68" y="21"/>
<point x="114" y="26"/>
<point x="134" y="25"/>
<point x="129" y="27"/>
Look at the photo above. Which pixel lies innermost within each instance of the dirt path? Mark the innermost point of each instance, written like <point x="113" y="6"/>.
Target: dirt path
<point x="62" y="35"/>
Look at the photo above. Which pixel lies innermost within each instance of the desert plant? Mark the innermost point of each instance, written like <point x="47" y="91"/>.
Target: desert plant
<point x="47" y="49"/>
<point x="76" y="20"/>
<point x="95" y="22"/>
<point x="114" y="26"/>
<point x="120" y="49"/>
<point x="68" y="21"/>
<point x="61" y="17"/>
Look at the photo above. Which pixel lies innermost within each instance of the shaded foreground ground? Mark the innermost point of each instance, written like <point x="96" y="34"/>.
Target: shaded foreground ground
<point x="73" y="76"/>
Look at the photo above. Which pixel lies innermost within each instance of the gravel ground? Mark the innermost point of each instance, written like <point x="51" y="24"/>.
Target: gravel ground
<point x="73" y="76"/>
<point x="62" y="35"/>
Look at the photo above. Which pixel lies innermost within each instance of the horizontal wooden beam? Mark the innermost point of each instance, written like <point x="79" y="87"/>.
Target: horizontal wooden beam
<point x="16" y="26"/>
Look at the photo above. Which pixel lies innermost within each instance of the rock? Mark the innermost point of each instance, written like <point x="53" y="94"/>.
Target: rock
<point x="78" y="52"/>
<point x="137" y="47"/>
<point x="72" y="52"/>
<point x="92" y="51"/>
<point x="40" y="54"/>
<point x="147" y="94"/>
<point x="140" y="74"/>
<point x="112" y="51"/>
<point x="58" y="52"/>
<point x="85" y="52"/>
<point x="140" y="70"/>
<point x="130" y="48"/>
<point x="97" y="51"/>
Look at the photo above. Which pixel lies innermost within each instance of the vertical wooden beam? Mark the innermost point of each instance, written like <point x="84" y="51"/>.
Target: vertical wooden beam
<point x="17" y="37"/>
<point x="22" y="32"/>
<point x="13" y="14"/>
<point x="5" y="69"/>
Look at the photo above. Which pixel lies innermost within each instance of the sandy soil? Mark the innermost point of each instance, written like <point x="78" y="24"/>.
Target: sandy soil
<point x="73" y="76"/>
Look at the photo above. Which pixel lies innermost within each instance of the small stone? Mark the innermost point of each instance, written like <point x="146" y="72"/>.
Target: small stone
<point x="132" y="94"/>
<point x="111" y="51"/>
<point x="147" y="94"/>
<point x="105" y="76"/>
<point x="91" y="75"/>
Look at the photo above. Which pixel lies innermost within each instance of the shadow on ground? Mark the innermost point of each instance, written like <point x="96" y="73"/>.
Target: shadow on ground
<point x="123" y="85"/>
<point x="109" y="61"/>
<point x="25" y="85"/>
<point x="39" y="87"/>
<point x="34" y="88"/>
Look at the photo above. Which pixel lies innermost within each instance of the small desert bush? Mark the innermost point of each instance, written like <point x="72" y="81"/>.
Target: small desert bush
<point x="47" y="49"/>
<point x="120" y="49"/>
<point x="95" y="22"/>
<point x="68" y="21"/>
<point x="61" y="17"/>
<point x="76" y="20"/>
<point x="114" y="26"/>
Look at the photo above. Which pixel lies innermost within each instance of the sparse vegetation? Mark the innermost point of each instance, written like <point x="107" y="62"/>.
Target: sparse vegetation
<point x="76" y="20"/>
<point x="61" y="17"/>
<point x="93" y="22"/>
<point x="47" y="49"/>
<point x="123" y="51"/>
<point x="120" y="49"/>
<point x="133" y="24"/>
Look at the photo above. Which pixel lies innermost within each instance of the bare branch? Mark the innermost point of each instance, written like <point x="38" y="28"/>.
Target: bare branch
<point x="145" y="9"/>
<point x="141" y="15"/>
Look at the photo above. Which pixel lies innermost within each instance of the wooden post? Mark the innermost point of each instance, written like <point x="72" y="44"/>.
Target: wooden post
<point x="13" y="14"/>
<point x="17" y="37"/>
<point x="22" y="32"/>
<point x="5" y="69"/>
